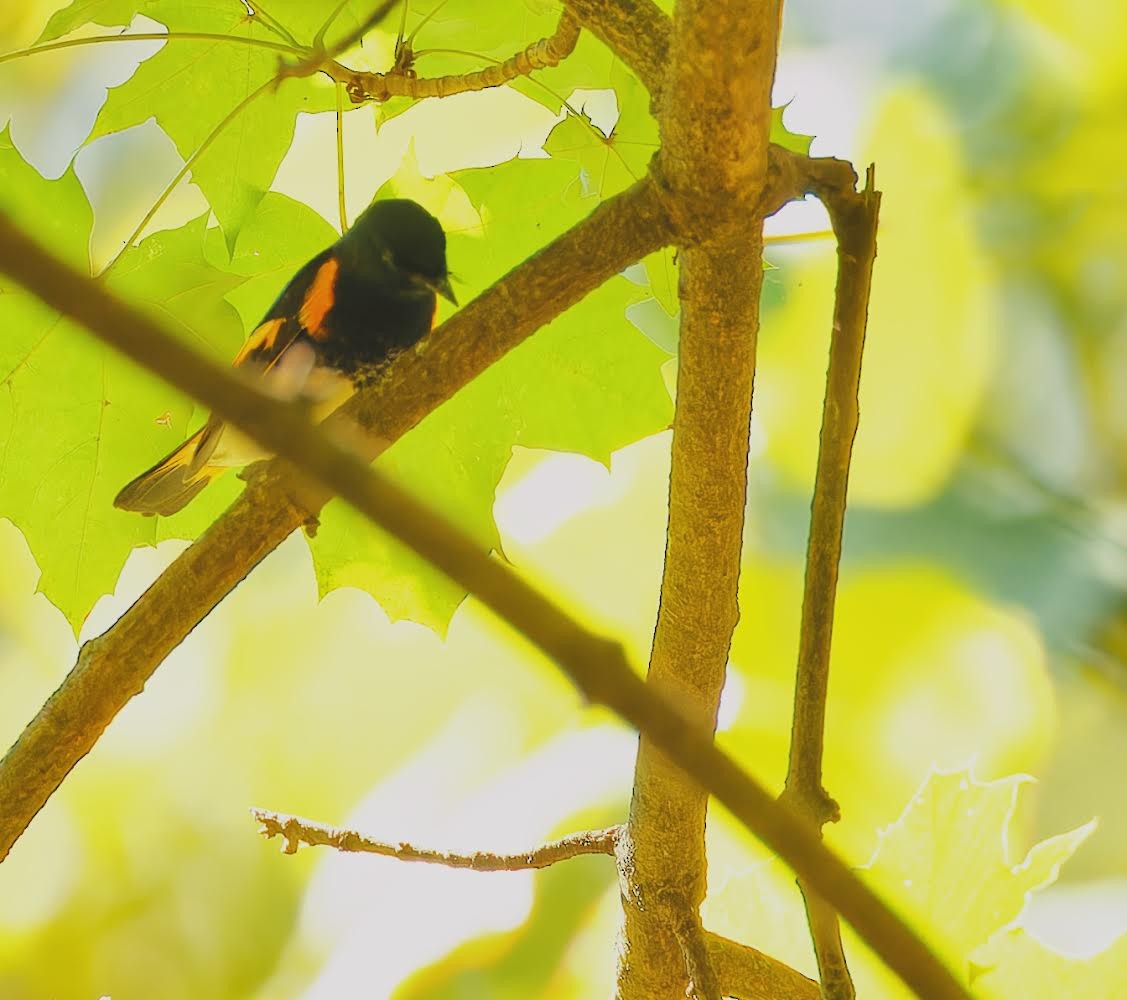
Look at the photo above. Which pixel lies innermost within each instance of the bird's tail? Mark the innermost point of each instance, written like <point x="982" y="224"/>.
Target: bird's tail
<point x="176" y="479"/>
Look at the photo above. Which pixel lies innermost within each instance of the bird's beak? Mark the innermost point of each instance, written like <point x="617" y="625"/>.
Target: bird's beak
<point x="442" y="287"/>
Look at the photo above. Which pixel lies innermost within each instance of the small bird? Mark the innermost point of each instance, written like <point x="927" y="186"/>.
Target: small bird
<point x="342" y="316"/>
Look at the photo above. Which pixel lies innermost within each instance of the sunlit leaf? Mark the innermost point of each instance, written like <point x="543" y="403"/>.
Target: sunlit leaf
<point x="76" y="420"/>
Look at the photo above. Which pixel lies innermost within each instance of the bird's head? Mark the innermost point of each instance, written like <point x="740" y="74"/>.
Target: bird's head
<point x="400" y="243"/>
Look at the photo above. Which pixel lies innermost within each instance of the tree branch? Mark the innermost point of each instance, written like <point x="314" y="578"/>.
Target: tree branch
<point x="721" y="64"/>
<point x="747" y="974"/>
<point x="703" y="984"/>
<point x="115" y="666"/>
<point x="297" y="830"/>
<point x="597" y="666"/>
<point x="854" y="219"/>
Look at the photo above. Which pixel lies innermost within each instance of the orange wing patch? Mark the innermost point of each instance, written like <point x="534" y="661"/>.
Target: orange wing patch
<point x="319" y="299"/>
<point x="264" y="338"/>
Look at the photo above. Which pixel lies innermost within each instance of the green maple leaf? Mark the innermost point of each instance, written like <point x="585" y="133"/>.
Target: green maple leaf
<point x="946" y="866"/>
<point x="301" y="18"/>
<point x="796" y="142"/>
<point x="76" y="420"/>
<point x="1016" y="964"/>
<point x="610" y="162"/>
<point x="215" y="99"/>
<point x="274" y="244"/>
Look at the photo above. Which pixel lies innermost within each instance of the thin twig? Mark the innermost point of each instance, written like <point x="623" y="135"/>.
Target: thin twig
<point x="597" y="666"/>
<point x="297" y="830"/>
<point x="542" y="54"/>
<point x="854" y="219"/>
<point x="786" y="239"/>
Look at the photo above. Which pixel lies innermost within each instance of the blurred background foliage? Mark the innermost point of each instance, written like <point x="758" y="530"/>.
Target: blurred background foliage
<point x="982" y="615"/>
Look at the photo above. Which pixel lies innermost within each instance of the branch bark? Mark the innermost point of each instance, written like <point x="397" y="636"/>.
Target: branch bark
<point x="747" y="974"/>
<point x="597" y="666"/>
<point x="115" y="666"/>
<point x="854" y="219"/>
<point x="703" y="984"/>
<point x="721" y="67"/>
<point x="296" y="830"/>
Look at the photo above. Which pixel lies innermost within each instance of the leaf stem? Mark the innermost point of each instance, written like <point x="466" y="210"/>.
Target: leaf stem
<point x="157" y="36"/>
<point x="271" y="23"/>
<point x="319" y="38"/>
<point x="184" y="170"/>
<point x="340" y="159"/>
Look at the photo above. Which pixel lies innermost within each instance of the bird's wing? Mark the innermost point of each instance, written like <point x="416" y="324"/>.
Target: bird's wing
<point x="300" y="310"/>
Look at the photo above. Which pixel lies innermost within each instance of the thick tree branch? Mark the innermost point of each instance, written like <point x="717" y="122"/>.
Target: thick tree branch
<point x="297" y="830"/>
<point x="115" y="666"/>
<point x="721" y="66"/>
<point x="597" y="666"/>
<point x="747" y="974"/>
<point x="854" y="219"/>
<point x="703" y="984"/>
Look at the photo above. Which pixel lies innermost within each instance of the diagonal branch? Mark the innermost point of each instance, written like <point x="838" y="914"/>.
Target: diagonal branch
<point x="597" y="666"/>
<point x="747" y="974"/>
<point x="854" y="219"/>
<point x="115" y="666"/>
<point x="296" y="830"/>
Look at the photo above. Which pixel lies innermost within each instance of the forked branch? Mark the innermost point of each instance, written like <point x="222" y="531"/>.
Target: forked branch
<point x="597" y="666"/>
<point x="116" y="665"/>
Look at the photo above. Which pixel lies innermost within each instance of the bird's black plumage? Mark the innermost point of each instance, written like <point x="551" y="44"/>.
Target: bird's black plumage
<point x="342" y="317"/>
